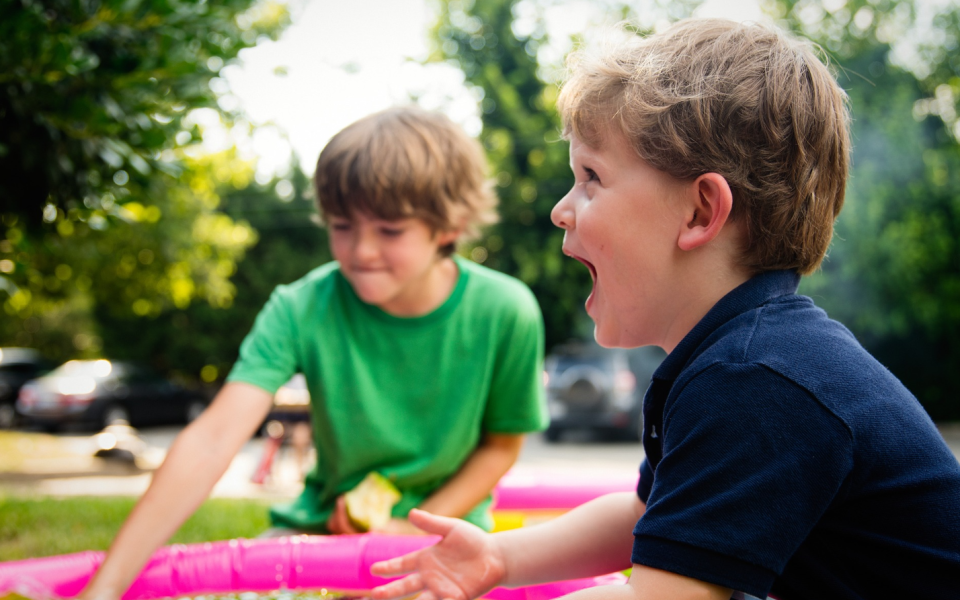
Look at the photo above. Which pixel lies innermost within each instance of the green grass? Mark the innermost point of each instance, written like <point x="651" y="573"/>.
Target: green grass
<point x="42" y="526"/>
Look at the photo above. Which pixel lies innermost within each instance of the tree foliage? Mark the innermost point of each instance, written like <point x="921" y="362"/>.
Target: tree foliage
<point x="893" y="274"/>
<point x="92" y="92"/>
<point x="105" y="207"/>
<point x="521" y="133"/>
<point x="201" y="339"/>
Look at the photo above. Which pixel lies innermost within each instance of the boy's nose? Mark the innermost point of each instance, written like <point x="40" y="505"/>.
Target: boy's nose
<point x="365" y="247"/>
<point x="562" y="214"/>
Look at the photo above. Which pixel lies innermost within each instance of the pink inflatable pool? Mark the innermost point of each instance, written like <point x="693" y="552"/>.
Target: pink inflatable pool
<point x="555" y="491"/>
<point x="340" y="563"/>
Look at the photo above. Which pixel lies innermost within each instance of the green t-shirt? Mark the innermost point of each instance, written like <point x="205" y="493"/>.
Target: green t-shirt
<point x="406" y="397"/>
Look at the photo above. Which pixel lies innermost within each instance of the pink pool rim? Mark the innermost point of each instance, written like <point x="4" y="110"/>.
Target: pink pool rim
<point x="336" y="563"/>
<point x="340" y="563"/>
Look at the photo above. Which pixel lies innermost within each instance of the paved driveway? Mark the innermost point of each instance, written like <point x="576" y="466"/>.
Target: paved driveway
<point x="572" y="456"/>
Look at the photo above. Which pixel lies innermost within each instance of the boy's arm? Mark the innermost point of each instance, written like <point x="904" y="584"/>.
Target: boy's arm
<point x="477" y="477"/>
<point x="593" y="539"/>
<point x="196" y="461"/>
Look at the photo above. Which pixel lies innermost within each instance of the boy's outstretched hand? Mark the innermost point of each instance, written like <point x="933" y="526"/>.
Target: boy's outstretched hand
<point x="464" y="565"/>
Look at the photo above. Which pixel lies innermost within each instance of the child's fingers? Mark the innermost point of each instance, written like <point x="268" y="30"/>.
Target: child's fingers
<point x="333" y="523"/>
<point x="431" y="523"/>
<point x="400" y="565"/>
<point x="339" y="521"/>
<point x="398" y="589"/>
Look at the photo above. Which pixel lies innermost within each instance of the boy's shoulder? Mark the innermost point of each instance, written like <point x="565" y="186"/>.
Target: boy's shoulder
<point x="489" y="277"/>
<point x="496" y="289"/>
<point x="794" y="340"/>
<point x="793" y="336"/>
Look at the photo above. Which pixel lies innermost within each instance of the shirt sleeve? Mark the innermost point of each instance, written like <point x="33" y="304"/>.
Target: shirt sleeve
<point x="268" y="355"/>
<point x="517" y="402"/>
<point x="751" y="462"/>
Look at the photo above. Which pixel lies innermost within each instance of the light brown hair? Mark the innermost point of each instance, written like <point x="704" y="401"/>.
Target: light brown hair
<point x="741" y="100"/>
<point x="407" y="162"/>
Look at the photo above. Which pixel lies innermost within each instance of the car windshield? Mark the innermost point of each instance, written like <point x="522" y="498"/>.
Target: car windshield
<point x="98" y="369"/>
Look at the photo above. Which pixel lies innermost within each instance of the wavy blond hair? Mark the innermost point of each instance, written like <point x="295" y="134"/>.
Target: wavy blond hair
<point x="741" y="100"/>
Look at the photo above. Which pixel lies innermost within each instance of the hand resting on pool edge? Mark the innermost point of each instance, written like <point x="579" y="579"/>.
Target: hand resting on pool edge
<point x="468" y="562"/>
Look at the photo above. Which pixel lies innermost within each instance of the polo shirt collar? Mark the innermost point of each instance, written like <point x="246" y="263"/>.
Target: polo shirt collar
<point x="749" y="295"/>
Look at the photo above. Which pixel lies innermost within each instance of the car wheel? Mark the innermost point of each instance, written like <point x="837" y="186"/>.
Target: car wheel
<point x="552" y="434"/>
<point x="194" y="409"/>
<point x="8" y="416"/>
<point x="114" y="413"/>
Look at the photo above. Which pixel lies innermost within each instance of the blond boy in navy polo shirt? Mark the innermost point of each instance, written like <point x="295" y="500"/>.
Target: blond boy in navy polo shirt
<point x="781" y="459"/>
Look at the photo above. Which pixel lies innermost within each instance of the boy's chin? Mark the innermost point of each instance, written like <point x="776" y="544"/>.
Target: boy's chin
<point x="371" y="292"/>
<point x="605" y="339"/>
<point x="614" y="339"/>
<point x="373" y="298"/>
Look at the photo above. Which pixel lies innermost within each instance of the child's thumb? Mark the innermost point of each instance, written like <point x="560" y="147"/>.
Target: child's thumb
<point x="431" y="523"/>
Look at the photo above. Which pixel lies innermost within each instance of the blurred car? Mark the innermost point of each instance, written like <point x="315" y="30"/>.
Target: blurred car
<point x="292" y="400"/>
<point x="287" y="422"/>
<point x="598" y="389"/>
<point x="97" y="393"/>
<point x="17" y="366"/>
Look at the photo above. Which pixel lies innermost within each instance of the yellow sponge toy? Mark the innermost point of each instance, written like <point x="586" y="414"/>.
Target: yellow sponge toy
<point x="369" y="504"/>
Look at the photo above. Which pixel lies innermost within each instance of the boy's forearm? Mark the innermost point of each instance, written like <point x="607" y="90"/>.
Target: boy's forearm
<point x="477" y="477"/>
<point x="196" y="461"/>
<point x="177" y="489"/>
<point x="593" y="539"/>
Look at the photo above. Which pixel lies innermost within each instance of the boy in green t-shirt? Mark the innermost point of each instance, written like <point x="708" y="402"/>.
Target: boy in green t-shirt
<point x="422" y="367"/>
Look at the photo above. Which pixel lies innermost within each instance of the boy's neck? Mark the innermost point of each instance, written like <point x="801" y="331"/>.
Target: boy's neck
<point x="428" y="293"/>
<point x="695" y="300"/>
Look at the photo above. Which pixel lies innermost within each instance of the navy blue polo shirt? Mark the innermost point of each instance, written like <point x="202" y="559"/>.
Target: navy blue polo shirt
<point x="783" y="459"/>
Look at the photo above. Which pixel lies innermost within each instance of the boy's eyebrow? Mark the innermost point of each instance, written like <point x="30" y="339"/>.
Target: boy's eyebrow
<point x="588" y="156"/>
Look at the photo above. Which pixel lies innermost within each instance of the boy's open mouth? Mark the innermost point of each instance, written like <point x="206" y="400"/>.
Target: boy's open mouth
<point x="587" y="263"/>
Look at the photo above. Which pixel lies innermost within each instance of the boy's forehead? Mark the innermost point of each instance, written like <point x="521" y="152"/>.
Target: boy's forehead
<point x="603" y="144"/>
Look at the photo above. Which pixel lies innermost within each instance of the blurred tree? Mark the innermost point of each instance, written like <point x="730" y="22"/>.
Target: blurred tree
<point x="102" y="208"/>
<point x="202" y="339"/>
<point x="521" y="133"/>
<point x="92" y="92"/>
<point x="893" y="275"/>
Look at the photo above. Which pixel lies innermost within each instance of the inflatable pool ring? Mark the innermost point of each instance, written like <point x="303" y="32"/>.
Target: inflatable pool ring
<point x="341" y="563"/>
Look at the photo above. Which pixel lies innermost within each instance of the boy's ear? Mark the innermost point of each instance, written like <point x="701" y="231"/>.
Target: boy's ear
<point x="707" y="210"/>
<point x="447" y="237"/>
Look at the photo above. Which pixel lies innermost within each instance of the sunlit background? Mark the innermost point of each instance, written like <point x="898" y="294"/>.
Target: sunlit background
<point x="338" y="62"/>
<point x="155" y="163"/>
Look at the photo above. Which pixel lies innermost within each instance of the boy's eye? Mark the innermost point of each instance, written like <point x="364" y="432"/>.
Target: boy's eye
<point x="340" y="226"/>
<point x="591" y="174"/>
<point x="391" y="231"/>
